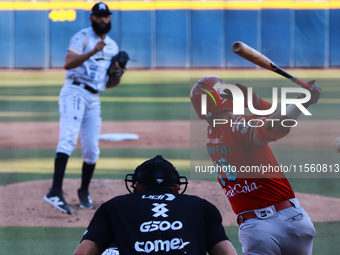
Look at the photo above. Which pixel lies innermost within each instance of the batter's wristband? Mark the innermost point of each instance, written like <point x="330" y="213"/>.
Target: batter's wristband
<point x="268" y="136"/>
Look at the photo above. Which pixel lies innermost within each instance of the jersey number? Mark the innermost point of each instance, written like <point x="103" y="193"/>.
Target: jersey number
<point x="227" y="170"/>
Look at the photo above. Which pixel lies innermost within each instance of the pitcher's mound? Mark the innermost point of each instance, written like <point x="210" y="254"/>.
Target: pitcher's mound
<point x="23" y="204"/>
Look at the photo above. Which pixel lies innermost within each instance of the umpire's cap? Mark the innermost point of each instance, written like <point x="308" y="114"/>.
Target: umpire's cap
<point x="100" y="8"/>
<point x="156" y="174"/>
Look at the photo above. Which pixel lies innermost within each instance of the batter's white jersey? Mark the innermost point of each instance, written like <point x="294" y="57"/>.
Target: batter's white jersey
<point x="93" y="71"/>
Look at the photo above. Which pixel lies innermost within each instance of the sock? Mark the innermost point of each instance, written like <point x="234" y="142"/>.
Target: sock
<point x="87" y="172"/>
<point x="59" y="171"/>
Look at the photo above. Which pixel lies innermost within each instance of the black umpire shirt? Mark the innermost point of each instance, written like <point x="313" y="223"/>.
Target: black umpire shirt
<point x="157" y="223"/>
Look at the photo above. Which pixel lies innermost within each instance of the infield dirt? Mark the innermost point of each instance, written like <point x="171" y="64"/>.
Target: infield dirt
<point x="23" y="203"/>
<point x="154" y="134"/>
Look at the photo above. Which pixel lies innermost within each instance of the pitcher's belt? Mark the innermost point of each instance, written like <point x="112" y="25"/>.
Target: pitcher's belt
<point x="251" y="214"/>
<point x="85" y="86"/>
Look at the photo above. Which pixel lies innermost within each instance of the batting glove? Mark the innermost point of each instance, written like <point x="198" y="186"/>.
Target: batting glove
<point x="315" y="91"/>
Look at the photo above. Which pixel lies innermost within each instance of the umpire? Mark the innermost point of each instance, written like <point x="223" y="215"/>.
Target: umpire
<point x="155" y="218"/>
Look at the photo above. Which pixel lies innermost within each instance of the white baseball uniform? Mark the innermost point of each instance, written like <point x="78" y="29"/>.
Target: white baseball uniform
<point x="79" y="101"/>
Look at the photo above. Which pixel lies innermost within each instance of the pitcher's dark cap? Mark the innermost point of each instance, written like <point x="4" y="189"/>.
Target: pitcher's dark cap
<point x="100" y="8"/>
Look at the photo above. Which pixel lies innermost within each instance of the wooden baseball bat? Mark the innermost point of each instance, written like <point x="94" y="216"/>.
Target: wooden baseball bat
<point x="259" y="59"/>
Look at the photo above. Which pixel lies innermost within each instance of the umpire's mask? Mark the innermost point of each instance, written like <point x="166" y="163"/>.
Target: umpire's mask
<point x="156" y="174"/>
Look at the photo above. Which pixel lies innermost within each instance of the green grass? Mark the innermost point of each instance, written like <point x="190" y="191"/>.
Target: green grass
<point x="327" y="237"/>
<point x="146" y="95"/>
<point x="325" y="186"/>
<point x="55" y="241"/>
<point x="300" y="157"/>
<point x="18" y="165"/>
<point x="42" y="167"/>
<point x="326" y="241"/>
<point x="39" y="240"/>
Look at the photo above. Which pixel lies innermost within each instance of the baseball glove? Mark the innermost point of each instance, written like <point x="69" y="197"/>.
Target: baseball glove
<point x="118" y="63"/>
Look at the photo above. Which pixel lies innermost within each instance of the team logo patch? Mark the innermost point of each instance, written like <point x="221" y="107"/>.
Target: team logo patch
<point x="102" y="6"/>
<point x="159" y="210"/>
<point x="159" y="181"/>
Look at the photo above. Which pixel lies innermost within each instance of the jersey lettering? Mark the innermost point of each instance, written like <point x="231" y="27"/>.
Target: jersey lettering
<point x="160" y="245"/>
<point x="228" y="170"/>
<point x="151" y="226"/>
<point x="218" y="150"/>
<point x="215" y="140"/>
<point x="93" y="75"/>
<point x="93" y="67"/>
<point x="238" y="188"/>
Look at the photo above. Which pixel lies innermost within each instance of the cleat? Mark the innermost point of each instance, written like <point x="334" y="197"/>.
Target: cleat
<point x="58" y="202"/>
<point x="85" y="200"/>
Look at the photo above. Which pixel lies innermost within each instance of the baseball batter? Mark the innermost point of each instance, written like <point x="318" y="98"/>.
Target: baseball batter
<point x="87" y="63"/>
<point x="270" y="217"/>
<point x="155" y="219"/>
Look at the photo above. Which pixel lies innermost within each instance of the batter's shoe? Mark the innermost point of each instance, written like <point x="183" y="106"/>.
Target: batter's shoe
<point x="58" y="201"/>
<point x="85" y="200"/>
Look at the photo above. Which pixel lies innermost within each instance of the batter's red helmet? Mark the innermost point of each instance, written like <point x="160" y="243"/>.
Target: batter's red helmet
<point x="215" y="103"/>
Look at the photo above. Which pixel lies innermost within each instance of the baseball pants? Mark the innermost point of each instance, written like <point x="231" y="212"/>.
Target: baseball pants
<point x="80" y="114"/>
<point x="287" y="232"/>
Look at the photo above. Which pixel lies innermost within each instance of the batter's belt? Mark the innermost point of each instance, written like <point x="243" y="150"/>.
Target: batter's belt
<point x="251" y="214"/>
<point x="85" y="86"/>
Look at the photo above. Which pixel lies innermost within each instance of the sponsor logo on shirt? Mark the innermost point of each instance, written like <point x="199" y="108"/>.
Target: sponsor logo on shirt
<point x="239" y="188"/>
<point x="160" y="210"/>
<point x="167" y="197"/>
<point x="151" y="226"/>
<point x="215" y="140"/>
<point x="160" y="245"/>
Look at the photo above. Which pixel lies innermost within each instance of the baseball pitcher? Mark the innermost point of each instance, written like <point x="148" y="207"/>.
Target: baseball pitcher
<point x="93" y="63"/>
